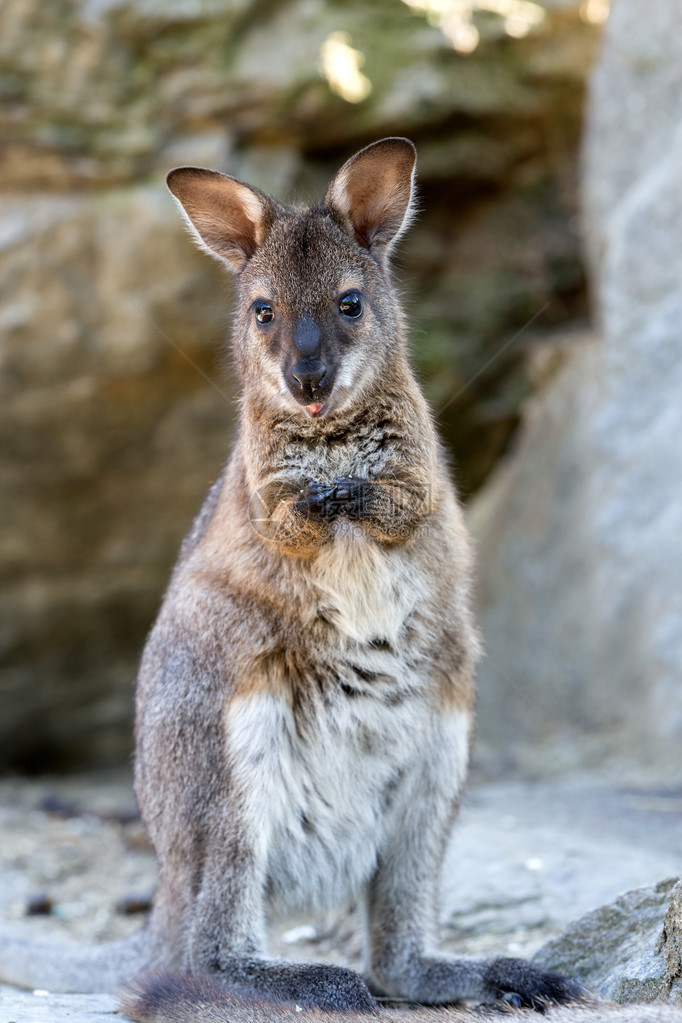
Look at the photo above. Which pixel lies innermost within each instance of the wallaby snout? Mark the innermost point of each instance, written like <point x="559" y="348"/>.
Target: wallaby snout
<point x="309" y="376"/>
<point x="309" y="380"/>
<point x="307" y="337"/>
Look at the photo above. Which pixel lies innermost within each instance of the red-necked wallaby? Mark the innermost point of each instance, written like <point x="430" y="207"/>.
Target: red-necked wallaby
<point x="304" y="702"/>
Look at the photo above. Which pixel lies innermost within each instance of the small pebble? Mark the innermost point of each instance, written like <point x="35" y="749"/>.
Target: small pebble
<point x="136" y="902"/>
<point x="38" y="904"/>
<point x="306" y="932"/>
<point x="59" y="806"/>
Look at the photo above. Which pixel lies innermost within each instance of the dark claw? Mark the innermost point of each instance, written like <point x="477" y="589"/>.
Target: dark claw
<point x="351" y="496"/>
<point x="523" y="985"/>
<point x="513" y="999"/>
<point x="316" y="499"/>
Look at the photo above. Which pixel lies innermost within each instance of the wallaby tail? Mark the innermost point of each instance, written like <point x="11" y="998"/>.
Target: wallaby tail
<point x="74" y="968"/>
<point x="169" y="997"/>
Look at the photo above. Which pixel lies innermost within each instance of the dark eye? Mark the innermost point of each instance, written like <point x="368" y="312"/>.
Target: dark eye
<point x="351" y="305"/>
<point x="264" y="312"/>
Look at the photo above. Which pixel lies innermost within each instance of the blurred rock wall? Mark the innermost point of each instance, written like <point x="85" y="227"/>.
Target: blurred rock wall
<point x="116" y="401"/>
<point x="581" y="530"/>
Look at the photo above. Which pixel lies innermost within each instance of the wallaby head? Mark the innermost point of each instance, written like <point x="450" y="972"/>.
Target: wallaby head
<point x="317" y="321"/>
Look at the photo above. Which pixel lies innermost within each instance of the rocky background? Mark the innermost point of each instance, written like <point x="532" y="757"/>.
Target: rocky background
<point x="116" y="399"/>
<point x="117" y="405"/>
<point x="581" y="530"/>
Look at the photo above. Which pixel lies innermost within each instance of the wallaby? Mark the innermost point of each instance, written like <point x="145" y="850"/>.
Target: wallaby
<point x="304" y="702"/>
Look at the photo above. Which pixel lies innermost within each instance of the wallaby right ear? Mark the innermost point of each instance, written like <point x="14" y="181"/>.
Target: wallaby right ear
<point x="372" y="193"/>
<point x="228" y="218"/>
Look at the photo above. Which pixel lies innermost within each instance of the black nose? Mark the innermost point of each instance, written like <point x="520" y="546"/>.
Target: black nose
<point x="308" y="373"/>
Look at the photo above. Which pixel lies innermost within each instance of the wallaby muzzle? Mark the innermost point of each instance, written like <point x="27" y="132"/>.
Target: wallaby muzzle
<point x="310" y="379"/>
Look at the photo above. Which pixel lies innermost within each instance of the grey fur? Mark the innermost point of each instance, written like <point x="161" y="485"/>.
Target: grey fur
<point x="305" y="697"/>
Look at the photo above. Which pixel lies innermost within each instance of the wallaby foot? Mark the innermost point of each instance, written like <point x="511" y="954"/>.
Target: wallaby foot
<point x="438" y="981"/>
<point x="521" y="984"/>
<point x="310" y="985"/>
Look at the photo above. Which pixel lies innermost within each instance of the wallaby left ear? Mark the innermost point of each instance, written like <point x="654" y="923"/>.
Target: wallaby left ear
<point x="372" y="193"/>
<point x="228" y="218"/>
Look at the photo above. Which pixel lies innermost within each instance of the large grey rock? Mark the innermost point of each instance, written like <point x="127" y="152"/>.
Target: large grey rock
<point x="628" y="951"/>
<point x="579" y="536"/>
<point x="635" y="111"/>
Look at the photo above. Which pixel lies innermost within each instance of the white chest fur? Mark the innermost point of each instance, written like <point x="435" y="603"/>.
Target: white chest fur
<point x="317" y="795"/>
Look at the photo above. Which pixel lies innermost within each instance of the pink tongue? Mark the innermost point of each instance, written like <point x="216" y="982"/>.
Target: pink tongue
<point x="314" y="409"/>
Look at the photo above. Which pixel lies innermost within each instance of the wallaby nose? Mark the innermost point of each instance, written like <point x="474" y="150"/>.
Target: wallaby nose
<point x="308" y="374"/>
<point x="307" y="337"/>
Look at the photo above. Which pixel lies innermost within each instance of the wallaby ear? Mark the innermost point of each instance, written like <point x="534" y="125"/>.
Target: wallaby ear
<point x="372" y="192"/>
<point x="228" y="218"/>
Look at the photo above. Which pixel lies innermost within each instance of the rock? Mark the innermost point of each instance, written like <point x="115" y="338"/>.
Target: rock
<point x="670" y="945"/>
<point x="635" y="111"/>
<point x="95" y="93"/>
<point x="110" y="433"/>
<point x="579" y="535"/>
<point x="628" y="951"/>
<point x="534" y="694"/>
<point x="43" y="1007"/>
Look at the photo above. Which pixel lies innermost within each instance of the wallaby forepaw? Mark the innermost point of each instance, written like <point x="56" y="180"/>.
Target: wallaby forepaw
<point x="522" y="985"/>
<point x="350" y="495"/>
<point x="346" y="496"/>
<point x="316" y="499"/>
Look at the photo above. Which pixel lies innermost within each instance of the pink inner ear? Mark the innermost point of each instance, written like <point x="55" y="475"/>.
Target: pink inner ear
<point x="219" y="215"/>
<point x="379" y="217"/>
<point x="227" y="224"/>
<point x="372" y="191"/>
<point x="227" y="215"/>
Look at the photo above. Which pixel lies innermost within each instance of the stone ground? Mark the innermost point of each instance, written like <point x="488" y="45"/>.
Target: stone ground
<point x="524" y="860"/>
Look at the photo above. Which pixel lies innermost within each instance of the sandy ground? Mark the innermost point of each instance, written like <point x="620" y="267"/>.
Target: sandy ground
<point x="524" y="859"/>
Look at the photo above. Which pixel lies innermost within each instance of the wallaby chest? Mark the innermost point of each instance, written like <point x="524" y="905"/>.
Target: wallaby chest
<point x="318" y="784"/>
<point x="320" y="765"/>
<point x="371" y="593"/>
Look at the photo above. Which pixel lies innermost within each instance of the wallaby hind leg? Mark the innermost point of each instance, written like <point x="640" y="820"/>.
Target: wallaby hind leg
<point x="227" y="937"/>
<point x="402" y="899"/>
